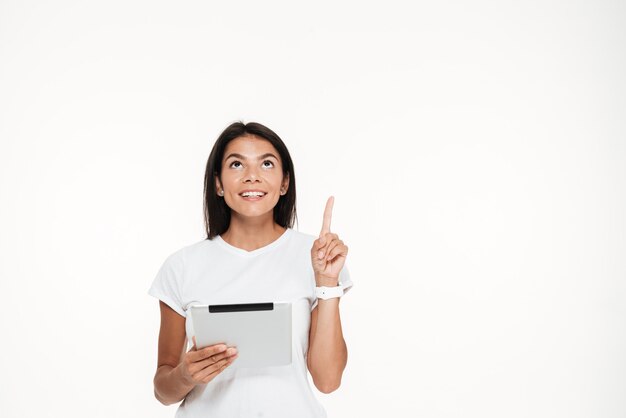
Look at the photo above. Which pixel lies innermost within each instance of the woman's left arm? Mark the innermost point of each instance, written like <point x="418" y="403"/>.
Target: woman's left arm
<point x="327" y="354"/>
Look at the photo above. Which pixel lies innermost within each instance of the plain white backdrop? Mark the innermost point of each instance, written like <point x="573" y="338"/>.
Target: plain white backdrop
<point x="476" y="152"/>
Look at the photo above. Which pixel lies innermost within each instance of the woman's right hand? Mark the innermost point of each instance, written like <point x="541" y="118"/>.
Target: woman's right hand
<point x="201" y="366"/>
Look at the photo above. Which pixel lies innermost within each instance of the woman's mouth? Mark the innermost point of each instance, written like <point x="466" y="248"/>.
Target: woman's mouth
<point x="252" y="196"/>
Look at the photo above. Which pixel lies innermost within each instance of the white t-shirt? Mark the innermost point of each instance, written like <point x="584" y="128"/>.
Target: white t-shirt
<point x="215" y="272"/>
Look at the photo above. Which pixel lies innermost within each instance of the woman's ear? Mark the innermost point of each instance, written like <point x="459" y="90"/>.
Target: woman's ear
<point x="218" y="184"/>
<point x="285" y="184"/>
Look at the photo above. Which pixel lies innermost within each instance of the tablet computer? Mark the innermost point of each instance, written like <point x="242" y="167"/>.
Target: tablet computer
<point x="260" y="331"/>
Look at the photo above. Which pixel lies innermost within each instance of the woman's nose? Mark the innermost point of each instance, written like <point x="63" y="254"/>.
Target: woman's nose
<point x="250" y="175"/>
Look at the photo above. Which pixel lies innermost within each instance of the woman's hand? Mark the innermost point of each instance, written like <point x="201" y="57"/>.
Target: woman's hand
<point x="201" y="366"/>
<point x="328" y="253"/>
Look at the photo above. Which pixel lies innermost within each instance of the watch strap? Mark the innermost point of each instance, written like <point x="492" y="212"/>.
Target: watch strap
<point x="324" y="292"/>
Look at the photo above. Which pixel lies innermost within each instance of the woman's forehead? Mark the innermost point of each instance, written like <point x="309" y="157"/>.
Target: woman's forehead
<point x="250" y="147"/>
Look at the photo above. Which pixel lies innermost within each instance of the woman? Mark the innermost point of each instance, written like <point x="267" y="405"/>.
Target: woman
<point x="252" y="254"/>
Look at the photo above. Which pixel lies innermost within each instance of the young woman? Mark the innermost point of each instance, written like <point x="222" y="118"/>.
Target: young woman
<point x="252" y="254"/>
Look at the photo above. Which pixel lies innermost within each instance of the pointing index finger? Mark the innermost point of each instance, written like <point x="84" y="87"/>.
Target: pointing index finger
<point x="328" y="213"/>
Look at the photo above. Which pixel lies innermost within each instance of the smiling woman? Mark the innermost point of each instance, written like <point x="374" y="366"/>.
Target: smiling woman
<point x="252" y="254"/>
<point x="246" y="155"/>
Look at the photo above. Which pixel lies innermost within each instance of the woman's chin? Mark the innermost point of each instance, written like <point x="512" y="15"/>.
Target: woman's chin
<point x="254" y="213"/>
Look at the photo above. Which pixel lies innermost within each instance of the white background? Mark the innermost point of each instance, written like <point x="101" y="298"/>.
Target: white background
<point x="476" y="151"/>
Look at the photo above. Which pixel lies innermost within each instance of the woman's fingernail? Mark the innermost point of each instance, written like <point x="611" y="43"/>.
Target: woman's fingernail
<point x="320" y="255"/>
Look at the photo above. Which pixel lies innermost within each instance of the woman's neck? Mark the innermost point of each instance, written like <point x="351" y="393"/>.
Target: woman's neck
<point x="252" y="234"/>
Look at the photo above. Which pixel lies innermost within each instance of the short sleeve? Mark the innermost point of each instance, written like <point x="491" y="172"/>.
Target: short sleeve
<point x="167" y="284"/>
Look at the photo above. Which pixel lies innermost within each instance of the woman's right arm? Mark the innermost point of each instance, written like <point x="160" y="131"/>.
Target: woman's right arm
<point x="178" y="372"/>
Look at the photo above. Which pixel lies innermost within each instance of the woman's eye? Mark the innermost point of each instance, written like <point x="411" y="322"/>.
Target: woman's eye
<point x="266" y="164"/>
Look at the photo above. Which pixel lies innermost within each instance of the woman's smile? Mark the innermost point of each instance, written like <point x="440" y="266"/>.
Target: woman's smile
<point x="252" y="195"/>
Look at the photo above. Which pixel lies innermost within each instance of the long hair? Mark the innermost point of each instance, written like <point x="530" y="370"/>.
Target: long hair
<point x="216" y="212"/>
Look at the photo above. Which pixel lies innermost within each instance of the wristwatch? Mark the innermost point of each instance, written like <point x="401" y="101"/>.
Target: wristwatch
<point x="323" y="292"/>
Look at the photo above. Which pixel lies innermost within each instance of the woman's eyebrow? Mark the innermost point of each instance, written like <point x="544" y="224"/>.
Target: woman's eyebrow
<point x="241" y="157"/>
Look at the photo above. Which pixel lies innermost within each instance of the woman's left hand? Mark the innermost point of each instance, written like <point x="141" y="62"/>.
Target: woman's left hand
<point x="328" y="253"/>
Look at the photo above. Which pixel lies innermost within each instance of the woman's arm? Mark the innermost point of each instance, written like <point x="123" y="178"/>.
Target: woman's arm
<point x="178" y="372"/>
<point x="328" y="354"/>
<point x="169" y="385"/>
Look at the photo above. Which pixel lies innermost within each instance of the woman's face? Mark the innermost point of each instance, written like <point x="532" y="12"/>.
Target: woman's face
<point x="251" y="164"/>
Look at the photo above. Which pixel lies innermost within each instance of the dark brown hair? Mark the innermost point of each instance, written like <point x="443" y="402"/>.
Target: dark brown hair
<point x="216" y="211"/>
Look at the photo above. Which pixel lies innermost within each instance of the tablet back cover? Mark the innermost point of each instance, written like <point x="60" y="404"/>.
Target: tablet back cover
<point x="260" y="331"/>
